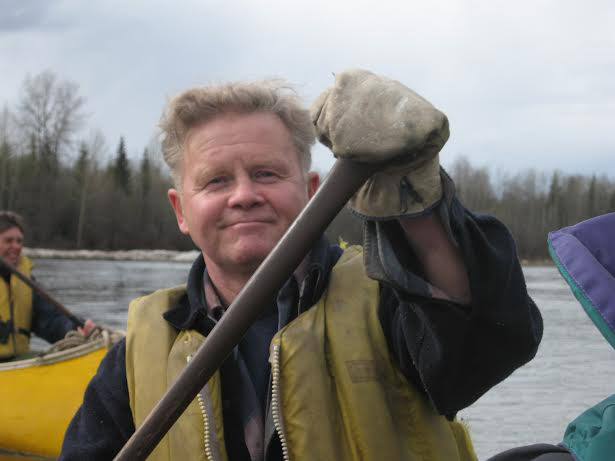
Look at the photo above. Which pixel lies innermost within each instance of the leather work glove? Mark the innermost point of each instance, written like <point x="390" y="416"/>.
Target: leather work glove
<point x="373" y="119"/>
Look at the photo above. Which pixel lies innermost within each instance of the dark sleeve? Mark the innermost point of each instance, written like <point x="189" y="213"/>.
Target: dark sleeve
<point x="48" y="322"/>
<point x="536" y="452"/>
<point x="456" y="353"/>
<point x="103" y="423"/>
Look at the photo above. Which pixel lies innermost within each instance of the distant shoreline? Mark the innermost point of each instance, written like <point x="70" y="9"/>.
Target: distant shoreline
<point x="124" y="255"/>
<point x="537" y="262"/>
<point x="159" y="255"/>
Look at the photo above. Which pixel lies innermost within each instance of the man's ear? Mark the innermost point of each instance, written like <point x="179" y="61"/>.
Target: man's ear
<point x="313" y="182"/>
<point x="176" y="202"/>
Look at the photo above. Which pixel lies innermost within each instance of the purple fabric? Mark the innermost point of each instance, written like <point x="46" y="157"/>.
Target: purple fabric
<point x="587" y="253"/>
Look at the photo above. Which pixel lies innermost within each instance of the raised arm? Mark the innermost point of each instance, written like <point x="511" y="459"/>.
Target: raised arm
<point x="454" y="305"/>
<point x="440" y="258"/>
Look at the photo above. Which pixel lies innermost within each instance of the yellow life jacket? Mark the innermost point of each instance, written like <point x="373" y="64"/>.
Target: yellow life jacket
<point x="16" y="307"/>
<point x="336" y="393"/>
<point x="155" y="355"/>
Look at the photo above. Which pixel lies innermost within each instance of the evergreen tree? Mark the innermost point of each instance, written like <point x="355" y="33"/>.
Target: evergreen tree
<point x="81" y="179"/>
<point x="5" y="173"/>
<point x="146" y="175"/>
<point x="6" y="158"/>
<point x="592" y="199"/>
<point x="121" y="168"/>
<point x="555" y="205"/>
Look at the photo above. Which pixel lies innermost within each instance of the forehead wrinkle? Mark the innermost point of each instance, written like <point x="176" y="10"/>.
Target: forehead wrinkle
<point x="234" y="133"/>
<point x="234" y="136"/>
<point x="257" y="153"/>
<point x="214" y="147"/>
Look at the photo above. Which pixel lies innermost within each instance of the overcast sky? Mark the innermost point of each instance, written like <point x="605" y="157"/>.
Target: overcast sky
<point x="526" y="84"/>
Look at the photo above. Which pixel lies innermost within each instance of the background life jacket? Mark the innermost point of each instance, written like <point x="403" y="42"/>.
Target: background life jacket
<point x="16" y="312"/>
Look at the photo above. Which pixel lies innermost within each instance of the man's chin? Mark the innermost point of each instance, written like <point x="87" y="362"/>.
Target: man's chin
<point x="252" y="257"/>
<point x="250" y="261"/>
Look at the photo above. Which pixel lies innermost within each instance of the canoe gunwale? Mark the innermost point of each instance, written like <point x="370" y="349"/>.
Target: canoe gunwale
<point x="17" y="455"/>
<point x="55" y="357"/>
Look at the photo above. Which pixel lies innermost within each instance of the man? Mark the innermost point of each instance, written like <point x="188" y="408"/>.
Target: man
<point x="23" y="311"/>
<point x="340" y="365"/>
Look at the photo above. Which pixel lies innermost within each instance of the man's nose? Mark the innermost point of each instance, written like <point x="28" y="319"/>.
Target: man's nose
<point x="245" y="194"/>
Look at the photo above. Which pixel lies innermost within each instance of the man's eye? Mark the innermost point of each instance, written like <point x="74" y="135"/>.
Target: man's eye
<point x="217" y="181"/>
<point x="265" y="174"/>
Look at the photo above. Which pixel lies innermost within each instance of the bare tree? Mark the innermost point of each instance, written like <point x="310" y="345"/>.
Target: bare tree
<point x="50" y="111"/>
<point x="6" y="154"/>
<point x="473" y="185"/>
<point x="49" y="114"/>
<point x="85" y="169"/>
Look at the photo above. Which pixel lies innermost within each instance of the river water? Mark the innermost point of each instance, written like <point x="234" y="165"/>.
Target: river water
<point x="574" y="367"/>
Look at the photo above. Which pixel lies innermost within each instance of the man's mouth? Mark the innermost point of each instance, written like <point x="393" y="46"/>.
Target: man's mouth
<point x="246" y="222"/>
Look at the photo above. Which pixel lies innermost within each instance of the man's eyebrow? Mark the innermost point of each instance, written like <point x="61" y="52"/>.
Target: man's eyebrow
<point x="204" y="171"/>
<point x="271" y="162"/>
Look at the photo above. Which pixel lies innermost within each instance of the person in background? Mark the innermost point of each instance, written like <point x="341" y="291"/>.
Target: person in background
<point x="363" y="353"/>
<point x="22" y="310"/>
<point x="585" y="257"/>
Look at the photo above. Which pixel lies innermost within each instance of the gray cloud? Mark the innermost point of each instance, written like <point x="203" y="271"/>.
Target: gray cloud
<point x="524" y="84"/>
<point x="19" y="15"/>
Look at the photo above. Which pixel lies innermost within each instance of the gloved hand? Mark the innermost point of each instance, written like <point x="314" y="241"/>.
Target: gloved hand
<point x="373" y="119"/>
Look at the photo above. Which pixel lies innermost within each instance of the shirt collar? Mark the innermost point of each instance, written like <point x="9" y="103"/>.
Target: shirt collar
<point x="214" y="305"/>
<point x="202" y="307"/>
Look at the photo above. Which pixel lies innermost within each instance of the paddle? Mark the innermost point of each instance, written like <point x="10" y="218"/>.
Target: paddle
<point x="36" y="287"/>
<point x="342" y="182"/>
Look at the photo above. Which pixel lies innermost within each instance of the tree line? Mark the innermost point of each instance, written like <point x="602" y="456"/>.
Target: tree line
<point x="70" y="191"/>
<point x="530" y="203"/>
<point x="72" y="194"/>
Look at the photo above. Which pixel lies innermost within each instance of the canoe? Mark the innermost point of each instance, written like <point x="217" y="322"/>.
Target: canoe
<point x="40" y="395"/>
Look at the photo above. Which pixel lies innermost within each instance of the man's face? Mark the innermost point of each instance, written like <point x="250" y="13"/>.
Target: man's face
<point x="11" y="243"/>
<point x="242" y="187"/>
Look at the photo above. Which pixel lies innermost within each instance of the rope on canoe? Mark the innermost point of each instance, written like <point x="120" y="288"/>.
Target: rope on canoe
<point x="74" y="338"/>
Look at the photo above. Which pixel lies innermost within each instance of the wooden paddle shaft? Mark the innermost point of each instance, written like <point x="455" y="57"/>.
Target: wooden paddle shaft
<point x="36" y="287"/>
<point x="342" y="182"/>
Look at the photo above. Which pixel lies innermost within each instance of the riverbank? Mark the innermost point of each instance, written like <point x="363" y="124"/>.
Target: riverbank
<point x="159" y="255"/>
<point x="128" y="255"/>
<point x="537" y="262"/>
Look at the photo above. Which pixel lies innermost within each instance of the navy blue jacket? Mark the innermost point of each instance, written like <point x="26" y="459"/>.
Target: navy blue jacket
<point x="47" y="321"/>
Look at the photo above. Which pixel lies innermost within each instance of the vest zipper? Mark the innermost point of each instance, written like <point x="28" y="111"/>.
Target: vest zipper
<point x="207" y="434"/>
<point x="276" y="410"/>
<point x="206" y="431"/>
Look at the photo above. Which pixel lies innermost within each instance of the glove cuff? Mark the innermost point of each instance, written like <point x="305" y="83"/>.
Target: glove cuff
<point x="400" y="193"/>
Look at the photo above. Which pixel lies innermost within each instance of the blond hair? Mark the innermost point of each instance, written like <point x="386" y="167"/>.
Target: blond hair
<point x="196" y="106"/>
